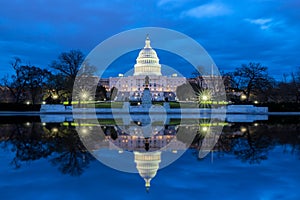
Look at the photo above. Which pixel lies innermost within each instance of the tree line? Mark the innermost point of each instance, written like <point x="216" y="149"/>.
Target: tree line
<point x="248" y="83"/>
<point x="53" y="85"/>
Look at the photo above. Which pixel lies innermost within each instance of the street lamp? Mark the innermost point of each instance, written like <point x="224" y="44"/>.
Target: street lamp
<point x="243" y="97"/>
<point x="84" y="95"/>
<point x="204" y="98"/>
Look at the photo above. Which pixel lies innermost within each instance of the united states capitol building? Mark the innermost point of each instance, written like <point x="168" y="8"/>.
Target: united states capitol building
<point x="147" y="64"/>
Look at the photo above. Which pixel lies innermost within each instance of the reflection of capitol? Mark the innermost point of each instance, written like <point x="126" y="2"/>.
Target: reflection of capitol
<point x="147" y="163"/>
<point x="171" y="141"/>
<point x="134" y="143"/>
<point x="146" y="150"/>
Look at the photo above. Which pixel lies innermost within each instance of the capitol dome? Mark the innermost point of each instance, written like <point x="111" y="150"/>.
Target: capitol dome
<point x="147" y="62"/>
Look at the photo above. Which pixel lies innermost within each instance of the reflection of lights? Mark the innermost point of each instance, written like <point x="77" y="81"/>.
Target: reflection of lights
<point x="139" y="123"/>
<point x="174" y="151"/>
<point x="84" y="131"/>
<point x="121" y="151"/>
<point x="138" y="103"/>
<point x="205" y="128"/>
<point x="243" y="129"/>
<point x="54" y="130"/>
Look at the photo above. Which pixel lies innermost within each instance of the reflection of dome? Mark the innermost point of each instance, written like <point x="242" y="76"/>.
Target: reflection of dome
<point x="147" y="63"/>
<point x="147" y="163"/>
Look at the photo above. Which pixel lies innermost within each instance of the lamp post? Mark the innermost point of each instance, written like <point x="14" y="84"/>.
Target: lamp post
<point x="243" y="97"/>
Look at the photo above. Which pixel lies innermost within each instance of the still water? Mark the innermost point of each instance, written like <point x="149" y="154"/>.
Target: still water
<point x="251" y="160"/>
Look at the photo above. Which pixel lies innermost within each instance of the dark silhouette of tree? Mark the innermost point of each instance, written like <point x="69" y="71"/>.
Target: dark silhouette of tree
<point x="15" y="83"/>
<point x="295" y="86"/>
<point x="56" y="86"/>
<point x="251" y="79"/>
<point x="72" y="157"/>
<point x="27" y="82"/>
<point x="71" y="65"/>
<point x="29" y="143"/>
<point x="36" y="81"/>
<point x="68" y="63"/>
<point x="187" y="91"/>
<point x="252" y="146"/>
<point x="32" y="141"/>
<point x="113" y="93"/>
<point x="101" y="93"/>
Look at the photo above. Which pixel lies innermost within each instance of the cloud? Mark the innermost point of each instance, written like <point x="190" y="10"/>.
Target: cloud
<point x="263" y="23"/>
<point x="208" y="10"/>
<point x="231" y="31"/>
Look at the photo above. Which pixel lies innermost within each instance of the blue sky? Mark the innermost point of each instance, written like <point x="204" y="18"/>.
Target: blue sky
<point x="233" y="32"/>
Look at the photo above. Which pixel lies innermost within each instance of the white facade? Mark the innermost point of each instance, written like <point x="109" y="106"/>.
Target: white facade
<point x="147" y="64"/>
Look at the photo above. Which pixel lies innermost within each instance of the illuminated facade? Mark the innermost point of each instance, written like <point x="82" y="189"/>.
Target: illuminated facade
<point x="147" y="64"/>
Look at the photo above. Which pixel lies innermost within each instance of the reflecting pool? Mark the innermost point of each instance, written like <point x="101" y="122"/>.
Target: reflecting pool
<point x="251" y="160"/>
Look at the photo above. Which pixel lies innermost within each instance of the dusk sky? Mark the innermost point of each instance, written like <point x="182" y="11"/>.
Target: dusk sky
<point x="232" y="32"/>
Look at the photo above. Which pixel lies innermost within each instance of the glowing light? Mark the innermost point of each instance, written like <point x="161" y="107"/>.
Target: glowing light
<point x="243" y="97"/>
<point x="243" y="129"/>
<point x="205" y="128"/>
<point x="44" y="102"/>
<point x="204" y="98"/>
<point x="27" y="102"/>
<point x="54" y="130"/>
<point x="84" y="95"/>
<point x="256" y="102"/>
<point x="84" y="131"/>
<point x="55" y="96"/>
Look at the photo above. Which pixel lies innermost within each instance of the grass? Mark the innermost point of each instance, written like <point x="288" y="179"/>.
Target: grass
<point x="173" y="104"/>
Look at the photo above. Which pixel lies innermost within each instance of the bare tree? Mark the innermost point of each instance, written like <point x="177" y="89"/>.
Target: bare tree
<point x="15" y="83"/>
<point x="252" y="78"/>
<point x="69" y="63"/>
